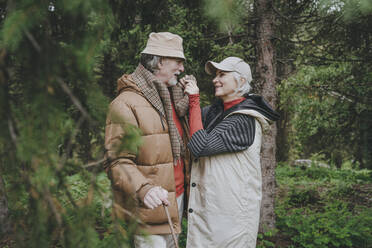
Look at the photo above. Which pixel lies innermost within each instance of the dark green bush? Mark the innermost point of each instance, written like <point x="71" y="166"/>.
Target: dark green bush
<point x="332" y="226"/>
<point x="303" y="196"/>
<point x="320" y="207"/>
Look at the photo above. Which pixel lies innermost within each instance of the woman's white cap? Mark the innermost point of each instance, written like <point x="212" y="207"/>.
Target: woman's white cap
<point x="230" y="64"/>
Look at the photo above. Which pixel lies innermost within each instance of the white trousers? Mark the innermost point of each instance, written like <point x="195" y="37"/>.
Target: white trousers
<point x="161" y="240"/>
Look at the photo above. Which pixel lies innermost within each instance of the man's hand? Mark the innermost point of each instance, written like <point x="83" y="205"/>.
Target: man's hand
<point x="190" y="85"/>
<point x="155" y="197"/>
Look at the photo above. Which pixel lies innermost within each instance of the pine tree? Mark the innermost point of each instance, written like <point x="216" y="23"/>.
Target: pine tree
<point x="266" y="86"/>
<point x="327" y="46"/>
<point x="52" y="119"/>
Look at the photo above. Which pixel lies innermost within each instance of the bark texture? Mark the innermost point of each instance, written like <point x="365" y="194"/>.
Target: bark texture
<point x="265" y="85"/>
<point x="283" y="145"/>
<point x="4" y="215"/>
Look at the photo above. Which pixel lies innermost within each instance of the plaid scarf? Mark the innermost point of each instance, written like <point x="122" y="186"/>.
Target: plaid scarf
<point x="160" y="98"/>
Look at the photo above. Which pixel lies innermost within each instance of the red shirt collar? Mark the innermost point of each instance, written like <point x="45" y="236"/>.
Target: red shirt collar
<point x="227" y="105"/>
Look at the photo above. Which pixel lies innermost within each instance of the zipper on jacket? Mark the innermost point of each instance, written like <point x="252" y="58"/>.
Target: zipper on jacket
<point x="161" y="119"/>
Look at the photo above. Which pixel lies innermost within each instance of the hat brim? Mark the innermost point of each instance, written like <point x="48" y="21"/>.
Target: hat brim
<point x="164" y="52"/>
<point x="211" y="67"/>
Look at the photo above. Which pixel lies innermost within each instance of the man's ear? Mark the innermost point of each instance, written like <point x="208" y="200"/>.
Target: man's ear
<point x="160" y="63"/>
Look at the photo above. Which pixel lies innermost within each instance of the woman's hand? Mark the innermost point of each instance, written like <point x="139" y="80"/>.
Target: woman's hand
<point x="190" y="84"/>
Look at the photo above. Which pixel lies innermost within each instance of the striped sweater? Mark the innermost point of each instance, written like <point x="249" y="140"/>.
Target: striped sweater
<point x="231" y="134"/>
<point x="235" y="133"/>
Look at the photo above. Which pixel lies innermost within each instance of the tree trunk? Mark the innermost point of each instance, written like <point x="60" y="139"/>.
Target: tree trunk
<point x="265" y="85"/>
<point x="4" y="216"/>
<point x="4" y="77"/>
<point x="283" y="125"/>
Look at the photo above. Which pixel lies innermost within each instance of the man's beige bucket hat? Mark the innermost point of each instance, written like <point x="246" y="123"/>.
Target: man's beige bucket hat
<point x="164" y="44"/>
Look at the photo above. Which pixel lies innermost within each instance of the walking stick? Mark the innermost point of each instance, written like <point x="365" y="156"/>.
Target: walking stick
<point x="171" y="225"/>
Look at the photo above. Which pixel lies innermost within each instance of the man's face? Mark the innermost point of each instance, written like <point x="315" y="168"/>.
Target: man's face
<point x="169" y="69"/>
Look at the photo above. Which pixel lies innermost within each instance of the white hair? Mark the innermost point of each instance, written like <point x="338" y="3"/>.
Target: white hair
<point x="243" y="87"/>
<point x="150" y="62"/>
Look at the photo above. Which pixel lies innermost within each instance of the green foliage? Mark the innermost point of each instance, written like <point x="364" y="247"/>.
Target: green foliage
<point x="334" y="226"/>
<point x="60" y="69"/>
<point x="57" y="75"/>
<point x="320" y="207"/>
<point x="131" y="140"/>
<point x="324" y="49"/>
<point x="264" y="239"/>
<point x="183" y="235"/>
<point x="201" y="39"/>
<point x="53" y="114"/>
<point x="329" y="111"/>
<point x="353" y="9"/>
<point x="227" y="13"/>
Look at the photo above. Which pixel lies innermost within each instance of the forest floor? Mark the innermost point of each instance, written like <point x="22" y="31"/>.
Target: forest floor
<point x="315" y="207"/>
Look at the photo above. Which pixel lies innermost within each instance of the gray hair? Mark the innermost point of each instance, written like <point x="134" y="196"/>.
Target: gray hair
<point x="245" y="87"/>
<point x="150" y="62"/>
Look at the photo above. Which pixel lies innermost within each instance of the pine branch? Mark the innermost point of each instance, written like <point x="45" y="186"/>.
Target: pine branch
<point x="72" y="137"/>
<point x="298" y="19"/>
<point x="33" y="41"/>
<point x="53" y="206"/>
<point x="329" y="90"/>
<point x="130" y="214"/>
<point x="101" y="161"/>
<point x="12" y="132"/>
<point x="324" y="59"/>
<point x="74" y="100"/>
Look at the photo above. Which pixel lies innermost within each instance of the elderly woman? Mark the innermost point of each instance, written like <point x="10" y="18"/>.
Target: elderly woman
<point x="225" y="193"/>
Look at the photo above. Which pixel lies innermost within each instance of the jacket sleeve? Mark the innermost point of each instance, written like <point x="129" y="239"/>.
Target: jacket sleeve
<point x="235" y="133"/>
<point x="122" y="169"/>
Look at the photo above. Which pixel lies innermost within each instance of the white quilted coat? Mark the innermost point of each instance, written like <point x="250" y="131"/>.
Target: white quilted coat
<point x="225" y="196"/>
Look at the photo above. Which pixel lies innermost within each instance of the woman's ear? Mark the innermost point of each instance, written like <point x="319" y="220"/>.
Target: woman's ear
<point x="242" y="80"/>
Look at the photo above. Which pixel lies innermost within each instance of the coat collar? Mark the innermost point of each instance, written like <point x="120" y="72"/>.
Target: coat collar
<point x="144" y="79"/>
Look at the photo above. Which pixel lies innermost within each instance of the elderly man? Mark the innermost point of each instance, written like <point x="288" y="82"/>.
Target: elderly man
<point x="151" y="100"/>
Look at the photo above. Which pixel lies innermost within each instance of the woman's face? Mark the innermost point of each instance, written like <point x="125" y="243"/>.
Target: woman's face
<point x="225" y="85"/>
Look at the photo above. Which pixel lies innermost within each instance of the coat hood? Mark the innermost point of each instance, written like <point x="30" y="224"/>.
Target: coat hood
<point x="213" y="114"/>
<point x="259" y="104"/>
<point x="126" y="82"/>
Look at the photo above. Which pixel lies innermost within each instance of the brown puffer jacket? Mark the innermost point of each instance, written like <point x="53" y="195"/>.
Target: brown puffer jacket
<point x="131" y="174"/>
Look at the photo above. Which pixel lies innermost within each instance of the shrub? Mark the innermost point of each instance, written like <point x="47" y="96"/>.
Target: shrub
<point x="320" y="207"/>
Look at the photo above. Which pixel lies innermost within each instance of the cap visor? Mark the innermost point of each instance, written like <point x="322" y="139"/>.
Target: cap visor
<point x="211" y="67"/>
